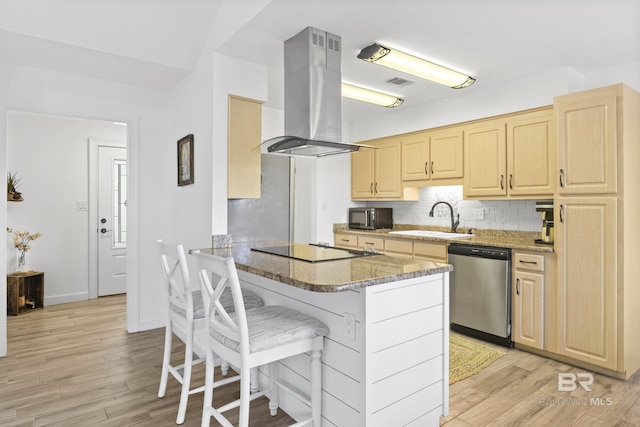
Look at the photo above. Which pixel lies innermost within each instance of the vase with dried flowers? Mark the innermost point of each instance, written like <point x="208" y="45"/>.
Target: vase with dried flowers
<point x="22" y="242"/>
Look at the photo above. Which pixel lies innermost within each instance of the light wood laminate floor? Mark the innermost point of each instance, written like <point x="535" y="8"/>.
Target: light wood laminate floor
<point x="521" y="389"/>
<point x="75" y="365"/>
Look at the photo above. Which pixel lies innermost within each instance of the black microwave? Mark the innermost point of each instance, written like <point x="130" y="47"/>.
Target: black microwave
<point x="370" y="218"/>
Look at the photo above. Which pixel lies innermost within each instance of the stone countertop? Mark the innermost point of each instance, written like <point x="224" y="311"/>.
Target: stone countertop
<point x="518" y="240"/>
<point x="326" y="276"/>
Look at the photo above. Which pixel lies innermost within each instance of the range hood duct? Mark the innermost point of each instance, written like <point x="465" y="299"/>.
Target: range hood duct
<point x="312" y="97"/>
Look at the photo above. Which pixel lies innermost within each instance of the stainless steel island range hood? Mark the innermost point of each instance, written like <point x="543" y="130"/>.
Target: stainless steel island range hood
<point x="312" y="97"/>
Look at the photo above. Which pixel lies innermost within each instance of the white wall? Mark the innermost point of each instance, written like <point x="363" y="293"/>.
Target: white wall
<point x="50" y="154"/>
<point x="145" y="112"/>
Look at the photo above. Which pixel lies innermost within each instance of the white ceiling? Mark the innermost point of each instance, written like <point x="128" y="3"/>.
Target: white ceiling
<point x="156" y="43"/>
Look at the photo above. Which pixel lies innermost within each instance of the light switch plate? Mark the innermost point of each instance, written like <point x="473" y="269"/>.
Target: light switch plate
<point x="82" y="205"/>
<point x="478" y="213"/>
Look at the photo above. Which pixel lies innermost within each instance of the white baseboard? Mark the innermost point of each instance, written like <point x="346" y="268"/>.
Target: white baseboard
<point x="149" y="324"/>
<point x="61" y="299"/>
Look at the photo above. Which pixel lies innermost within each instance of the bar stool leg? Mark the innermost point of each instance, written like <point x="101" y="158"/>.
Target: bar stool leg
<point x="255" y="380"/>
<point x="245" y="397"/>
<point x="186" y="378"/>
<point x="273" y="388"/>
<point x="208" y="390"/>
<point x="316" y="387"/>
<point x="166" y="359"/>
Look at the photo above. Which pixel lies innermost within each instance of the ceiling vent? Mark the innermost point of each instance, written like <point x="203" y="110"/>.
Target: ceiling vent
<point x="398" y="81"/>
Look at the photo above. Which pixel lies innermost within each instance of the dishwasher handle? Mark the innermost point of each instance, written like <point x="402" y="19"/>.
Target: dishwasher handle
<point x="480" y="251"/>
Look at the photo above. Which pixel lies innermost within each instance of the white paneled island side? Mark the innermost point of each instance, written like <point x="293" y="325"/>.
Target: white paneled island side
<point x="386" y="359"/>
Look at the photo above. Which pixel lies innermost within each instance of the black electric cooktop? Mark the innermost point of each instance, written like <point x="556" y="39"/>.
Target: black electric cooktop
<point x="311" y="252"/>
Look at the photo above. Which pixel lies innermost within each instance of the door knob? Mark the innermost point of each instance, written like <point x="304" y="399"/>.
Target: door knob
<point x="104" y="230"/>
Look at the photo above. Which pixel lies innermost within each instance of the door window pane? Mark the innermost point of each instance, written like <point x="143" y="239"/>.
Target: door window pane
<point x="120" y="203"/>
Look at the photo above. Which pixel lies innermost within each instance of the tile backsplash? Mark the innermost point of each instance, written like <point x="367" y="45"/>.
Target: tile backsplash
<point x="517" y="215"/>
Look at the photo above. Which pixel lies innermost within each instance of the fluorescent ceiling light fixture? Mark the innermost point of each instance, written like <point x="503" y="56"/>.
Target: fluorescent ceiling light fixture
<point x="413" y="65"/>
<point x="371" y="96"/>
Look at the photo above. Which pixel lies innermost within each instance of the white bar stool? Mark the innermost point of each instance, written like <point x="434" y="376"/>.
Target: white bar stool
<point x="185" y="316"/>
<point x="252" y="338"/>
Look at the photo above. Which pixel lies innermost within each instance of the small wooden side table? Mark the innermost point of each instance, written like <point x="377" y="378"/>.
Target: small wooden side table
<point x="25" y="292"/>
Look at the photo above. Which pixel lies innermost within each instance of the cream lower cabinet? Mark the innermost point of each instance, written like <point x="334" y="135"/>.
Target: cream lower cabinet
<point x="528" y="299"/>
<point x="343" y="240"/>
<point x="406" y="248"/>
<point x="371" y="243"/>
<point x="430" y="251"/>
<point x="398" y="247"/>
<point x="352" y="241"/>
<point x="586" y="236"/>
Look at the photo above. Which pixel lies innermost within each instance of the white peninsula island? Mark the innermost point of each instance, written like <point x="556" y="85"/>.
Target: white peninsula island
<point x="386" y="360"/>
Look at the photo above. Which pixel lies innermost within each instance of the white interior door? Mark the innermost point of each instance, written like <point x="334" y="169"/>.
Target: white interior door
<point x="112" y="220"/>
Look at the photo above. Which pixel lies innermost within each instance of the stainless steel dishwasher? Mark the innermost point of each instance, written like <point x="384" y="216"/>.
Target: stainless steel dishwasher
<point x="480" y="292"/>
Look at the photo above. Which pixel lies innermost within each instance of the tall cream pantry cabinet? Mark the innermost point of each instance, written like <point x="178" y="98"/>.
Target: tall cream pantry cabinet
<point x="598" y="228"/>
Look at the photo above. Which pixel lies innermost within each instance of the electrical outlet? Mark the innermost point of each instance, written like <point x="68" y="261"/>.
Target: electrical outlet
<point x="478" y="213"/>
<point x="350" y="326"/>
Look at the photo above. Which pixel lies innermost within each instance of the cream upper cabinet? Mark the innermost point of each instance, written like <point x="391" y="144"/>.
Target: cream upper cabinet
<point x="431" y="156"/>
<point x="485" y="158"/>
<point x="243" y="162"/>
<point x="376" y="173"/>
<point x="510" y="157"/>
<point x="363" y="174"/>
<point x="446" y="150"/>
<point x="587" y="140"/>
<point x="388" y="184"/>
<point x="588" y="287"/>
<point x="530" y="154"/>
<point x="415" y="157"/>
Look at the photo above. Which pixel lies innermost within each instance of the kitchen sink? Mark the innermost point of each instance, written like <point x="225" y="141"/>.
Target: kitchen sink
<point x="435" y="234"/>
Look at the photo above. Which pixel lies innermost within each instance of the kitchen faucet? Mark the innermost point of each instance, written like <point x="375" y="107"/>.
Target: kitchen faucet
<point x="455" y="224"/>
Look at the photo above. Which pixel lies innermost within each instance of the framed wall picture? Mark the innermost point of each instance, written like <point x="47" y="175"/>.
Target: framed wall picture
<point x="185" y="160"/>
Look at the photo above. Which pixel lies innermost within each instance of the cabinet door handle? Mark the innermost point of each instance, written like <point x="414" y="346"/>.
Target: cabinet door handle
<point x="426" y="171"/>
<point x="561" y="213"/>
<point x="561" y="177"/>
<point x="371" y="188"/>
<point x="376" y="191"/>
<point x="501" y="181"/>
<point x="511" y="181"/>
<point x="431" y="168"/>
<point x="517" y="286"/>
<point x="529" y="262"/>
